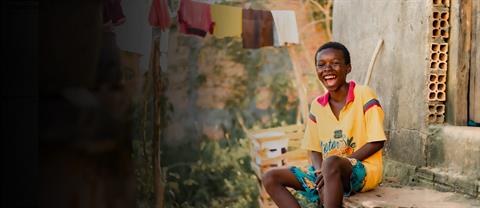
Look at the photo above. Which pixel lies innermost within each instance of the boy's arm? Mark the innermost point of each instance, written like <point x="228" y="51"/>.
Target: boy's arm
<point x="317" y="160"/>
<point x="374" y="116"/>
<point x="367" y="150"/>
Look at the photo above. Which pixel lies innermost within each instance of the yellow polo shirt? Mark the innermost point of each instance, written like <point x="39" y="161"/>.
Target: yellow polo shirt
<point x="360" y="121"/>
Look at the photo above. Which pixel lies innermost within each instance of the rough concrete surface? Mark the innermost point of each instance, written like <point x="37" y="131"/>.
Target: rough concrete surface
<point x="389" y="196"/>
<point x="456" y="149"/>
<point x="399" y="73"/>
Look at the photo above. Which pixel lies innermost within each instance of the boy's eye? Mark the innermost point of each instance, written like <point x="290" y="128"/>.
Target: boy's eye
<point x="321" y="66"/>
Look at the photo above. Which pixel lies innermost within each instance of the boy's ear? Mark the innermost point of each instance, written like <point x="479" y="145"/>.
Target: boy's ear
<point x="349" y="68"/>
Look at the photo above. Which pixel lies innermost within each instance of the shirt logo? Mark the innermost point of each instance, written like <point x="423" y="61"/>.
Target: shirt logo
<point x="339" y="145"/>
<point x="337" y="134"/>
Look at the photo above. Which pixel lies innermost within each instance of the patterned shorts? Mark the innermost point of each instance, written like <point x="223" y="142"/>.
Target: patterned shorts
<point x="307" y="178"/>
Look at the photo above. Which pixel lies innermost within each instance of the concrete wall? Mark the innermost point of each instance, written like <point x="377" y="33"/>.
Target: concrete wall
<point x="442" y="156"/>
<point x="399" y="73"/>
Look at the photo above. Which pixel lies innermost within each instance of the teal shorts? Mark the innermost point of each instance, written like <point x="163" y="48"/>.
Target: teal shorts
<point x="307" y="178"/>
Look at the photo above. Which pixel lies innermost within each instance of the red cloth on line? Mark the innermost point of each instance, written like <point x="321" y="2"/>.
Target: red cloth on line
<point x="195" y="18"/>
<point x="113" y="13"/>
<point x="257" y="28"/>
<point x="159" y="15"/>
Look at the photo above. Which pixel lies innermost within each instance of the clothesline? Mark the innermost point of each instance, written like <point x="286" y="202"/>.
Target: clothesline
<point x="257" y="28"/>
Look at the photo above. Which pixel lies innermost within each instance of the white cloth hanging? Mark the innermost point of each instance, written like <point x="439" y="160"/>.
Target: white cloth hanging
<point x="285" y="28"/>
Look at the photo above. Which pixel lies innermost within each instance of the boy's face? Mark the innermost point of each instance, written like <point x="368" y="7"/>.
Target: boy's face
<point x="331" y="68"/>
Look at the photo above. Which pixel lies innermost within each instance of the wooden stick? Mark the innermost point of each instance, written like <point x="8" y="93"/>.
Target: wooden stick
<point x="302" y="92"/>
<point x="372" y="62"/>
<point x="241" y="122"/>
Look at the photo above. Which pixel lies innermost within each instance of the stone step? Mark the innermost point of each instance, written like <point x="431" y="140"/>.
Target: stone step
<point x="393" y="195"/>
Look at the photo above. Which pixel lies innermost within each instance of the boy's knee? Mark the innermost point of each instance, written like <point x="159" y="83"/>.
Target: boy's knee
<point x="269" y="178"/>
<point x="331" y="165"/>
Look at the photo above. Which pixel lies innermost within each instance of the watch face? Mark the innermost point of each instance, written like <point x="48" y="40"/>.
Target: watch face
<point x="352" y="161"/>
<point x="337" y="134"/>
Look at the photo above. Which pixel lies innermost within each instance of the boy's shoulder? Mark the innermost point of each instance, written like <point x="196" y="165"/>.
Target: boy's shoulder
<point x="361" y="93"/>
<point x="365" y="92"/>
<point x="363" y="89"/>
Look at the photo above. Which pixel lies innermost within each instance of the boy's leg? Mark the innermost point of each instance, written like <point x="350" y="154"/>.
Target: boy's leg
<point x="275" y="182"/>
<point x="336" y="173"/>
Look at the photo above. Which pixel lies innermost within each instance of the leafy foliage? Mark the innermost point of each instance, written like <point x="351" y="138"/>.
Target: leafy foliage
<point x="219" y="177"/>
<point x="207" y="173"/>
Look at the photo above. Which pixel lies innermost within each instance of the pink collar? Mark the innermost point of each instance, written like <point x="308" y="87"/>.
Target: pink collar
<point x="323" y="100"/>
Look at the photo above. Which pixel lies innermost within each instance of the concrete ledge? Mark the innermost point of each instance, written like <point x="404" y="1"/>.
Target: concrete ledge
<point x="399" y="172"/>
<point x="434" y="178"/>
<point x="388" y="196"/>
<point x="455" y="149"/>
<point x="452" y="160"/>
<point x="445" y="181"/>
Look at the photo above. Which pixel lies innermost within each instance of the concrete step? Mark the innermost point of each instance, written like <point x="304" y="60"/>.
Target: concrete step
<point x="394" y="195"/>
<point x="455" y="149"/>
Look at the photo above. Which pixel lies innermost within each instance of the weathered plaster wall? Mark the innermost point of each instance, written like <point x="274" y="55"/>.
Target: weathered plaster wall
<point x="399" y="73"/>
<point x="444" y="157"/>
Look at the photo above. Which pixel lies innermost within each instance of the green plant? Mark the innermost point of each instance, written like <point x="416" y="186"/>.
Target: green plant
<point x="219" y="177"/>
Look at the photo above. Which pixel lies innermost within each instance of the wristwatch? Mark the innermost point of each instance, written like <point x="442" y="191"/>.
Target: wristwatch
<point x="353" y="161"/>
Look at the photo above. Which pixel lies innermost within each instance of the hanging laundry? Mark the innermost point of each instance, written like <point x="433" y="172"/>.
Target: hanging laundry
<point x="227" y="21"/>
<point x="257" y="28"/>
<point x="285" y="27"/>
<point x="112" y="13"/>
<point x="195" y="18"/>
<point x="159" y="15"/>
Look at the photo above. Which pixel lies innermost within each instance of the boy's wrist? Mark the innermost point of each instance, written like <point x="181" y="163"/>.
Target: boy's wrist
<point x="353" y="161"/>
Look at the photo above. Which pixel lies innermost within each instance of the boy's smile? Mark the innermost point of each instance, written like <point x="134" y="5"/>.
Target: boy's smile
<point x="331" y="68"/>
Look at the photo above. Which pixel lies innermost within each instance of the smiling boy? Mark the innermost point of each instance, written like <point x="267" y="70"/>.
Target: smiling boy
<point x="344" y="136"/>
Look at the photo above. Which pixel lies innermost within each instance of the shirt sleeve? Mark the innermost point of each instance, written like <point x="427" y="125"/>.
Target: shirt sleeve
<point x="311" y="140"/>
<point x="374" y="116"/>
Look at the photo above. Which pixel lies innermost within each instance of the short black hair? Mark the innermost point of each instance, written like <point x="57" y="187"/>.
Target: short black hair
<point x="335" y="45"/>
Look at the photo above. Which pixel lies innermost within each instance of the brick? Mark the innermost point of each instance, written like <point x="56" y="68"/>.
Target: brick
<point x="444" y="33"/>
<point x="441" y="3"/>
<point x="443" y="187"/>
<point x="441" y="96"/>
<point x="425" y="174"/>
<point x="431" y="118"/>
<point x="440" y="108"/>
<point x="435" y="33"/>
<point x="434" y="56"/>
<point x="442" y="178"/>
<point x="443" y="56"/>
<point x="440" y="118"/>
<point x="425" y="183"/>
<point x="466" y="187"/>
<point x="442" y="65"/>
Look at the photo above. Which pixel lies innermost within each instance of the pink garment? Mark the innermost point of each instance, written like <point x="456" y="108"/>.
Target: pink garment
<point x="159" y="15"/>
<point x="113" y="13"/>
<point x="195" y="18"/>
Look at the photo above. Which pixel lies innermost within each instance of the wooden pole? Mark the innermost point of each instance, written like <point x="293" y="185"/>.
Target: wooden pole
<point x="157" y="110"/>
<point x="372" y="62"/>
<point x="302" y="94"/>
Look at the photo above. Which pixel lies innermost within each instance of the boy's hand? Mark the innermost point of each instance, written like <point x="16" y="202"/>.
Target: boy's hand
<point x="319" y="182"/>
